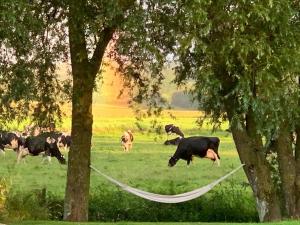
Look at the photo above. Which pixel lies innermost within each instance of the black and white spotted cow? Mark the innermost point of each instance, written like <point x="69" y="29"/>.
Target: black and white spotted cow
<point x="171" y="128"/>
<point x="64" y="140"/>
<point x="11" y="140"/>
<point x="43" y="143"/>
<point x="203" y="147"/>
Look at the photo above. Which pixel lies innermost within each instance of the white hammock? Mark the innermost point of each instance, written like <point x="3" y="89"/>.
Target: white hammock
<point x="168" y="198"/>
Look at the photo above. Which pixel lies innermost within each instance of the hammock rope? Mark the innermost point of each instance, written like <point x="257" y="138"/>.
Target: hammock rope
<point x="168" y="198"/>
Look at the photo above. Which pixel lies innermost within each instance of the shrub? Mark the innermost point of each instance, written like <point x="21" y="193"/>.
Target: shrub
<point x="230" y="202"/>
<point x="30" y="205"/>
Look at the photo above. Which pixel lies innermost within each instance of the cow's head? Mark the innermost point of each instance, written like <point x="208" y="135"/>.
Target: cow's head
<point x="51" y="146"/>
<point x="172" y="161"/>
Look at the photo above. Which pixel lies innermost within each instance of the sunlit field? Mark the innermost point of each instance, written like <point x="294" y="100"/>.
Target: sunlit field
<point x="144" y="167"/>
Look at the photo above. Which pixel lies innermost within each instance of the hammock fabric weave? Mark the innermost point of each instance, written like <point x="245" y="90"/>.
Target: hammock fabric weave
<point x="168" y="198"/>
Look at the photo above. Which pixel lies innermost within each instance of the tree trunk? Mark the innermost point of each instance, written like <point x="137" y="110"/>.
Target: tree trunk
<point x="297" y="182"/>
<point x="84" y="71"/>
<point x="252" y="154"/>
<point x="286" y="162"/>
<point x="259" y="176"/>
<point x="78" y="176"/>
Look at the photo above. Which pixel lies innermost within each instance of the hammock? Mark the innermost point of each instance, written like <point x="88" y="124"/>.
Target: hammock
<point x="168" y="198"/>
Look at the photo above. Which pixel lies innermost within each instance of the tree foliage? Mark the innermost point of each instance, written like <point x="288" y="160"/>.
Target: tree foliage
<point x="33" y="42"/>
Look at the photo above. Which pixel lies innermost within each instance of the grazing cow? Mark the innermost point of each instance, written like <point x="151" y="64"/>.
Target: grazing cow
<point x="174" y="141"/>
<point x="9" y="140"/>
<point x="127" y="140"/>
<point x="43" y="143"/>
<point x="171" y="128"/>
<point x="203" y="147"/>
<point x="64" y="141"/>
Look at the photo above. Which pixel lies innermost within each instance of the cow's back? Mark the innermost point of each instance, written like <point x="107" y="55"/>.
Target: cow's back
<point x="197" y="145"/>
<point x="35" y="144"/>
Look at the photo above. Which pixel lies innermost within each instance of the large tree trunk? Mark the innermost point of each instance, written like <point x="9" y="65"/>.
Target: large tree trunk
<point x="84" y="72"/>
<point x="78" y="176"/>
<point x="297" y="182"/>
<point x="259" y="176"/>
<point x="251" y="152"/>
<point x="287" y="171"/>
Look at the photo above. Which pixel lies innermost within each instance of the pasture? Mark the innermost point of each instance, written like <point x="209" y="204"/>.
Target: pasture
<point x="145" y="167"/>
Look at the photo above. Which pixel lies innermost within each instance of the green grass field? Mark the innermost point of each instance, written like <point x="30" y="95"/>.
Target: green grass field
<point x="145" y="167"/>
<point x="140" y="223"/>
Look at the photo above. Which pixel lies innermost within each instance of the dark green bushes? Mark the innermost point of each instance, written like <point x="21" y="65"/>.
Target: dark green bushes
<point x="229" y="202"/>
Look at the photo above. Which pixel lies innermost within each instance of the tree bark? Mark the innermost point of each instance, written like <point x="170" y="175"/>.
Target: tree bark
<point x="78" y="176"/>
<point x="259" y="176"/>
<point x="252" y="154"/>
<point x="287" y="171"/>
<point x="84" y="72"/>
<point x="297" y="181"/>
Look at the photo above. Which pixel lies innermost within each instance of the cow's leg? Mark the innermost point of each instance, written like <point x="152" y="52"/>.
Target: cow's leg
<point x="210" y="154"/>
<point x="129" y="146"/>
<point x="21" y="153"/>
<point x="2" y="152"/>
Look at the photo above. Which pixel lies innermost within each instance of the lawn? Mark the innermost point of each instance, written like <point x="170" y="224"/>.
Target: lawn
<point x="141" y="223"/>
<point x="145" y="167"/>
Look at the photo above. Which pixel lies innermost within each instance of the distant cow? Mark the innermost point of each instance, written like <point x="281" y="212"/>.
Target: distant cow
<point x="203" y="147"/>
<point x="174" y="141"/>
<point x="64" y="141"/>
<point x="43" y="143"/>
<point x="171" y="128"/>
<point x="9" y="140"/>
<point x="127" y="140"/>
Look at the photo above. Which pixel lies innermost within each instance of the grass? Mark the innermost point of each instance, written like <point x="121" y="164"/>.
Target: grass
<point x="142" y="223"/>
<point x="145" y="167"/>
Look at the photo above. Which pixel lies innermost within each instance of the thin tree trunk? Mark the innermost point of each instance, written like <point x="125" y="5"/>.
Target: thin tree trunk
<point x="286" y="162"/>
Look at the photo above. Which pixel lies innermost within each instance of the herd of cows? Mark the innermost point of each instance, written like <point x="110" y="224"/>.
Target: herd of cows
<point x="34" y="141"/>
<point x="187" y="148"/>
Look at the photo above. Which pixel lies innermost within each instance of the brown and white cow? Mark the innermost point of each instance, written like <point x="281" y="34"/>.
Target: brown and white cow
<point x="127" y="140"/>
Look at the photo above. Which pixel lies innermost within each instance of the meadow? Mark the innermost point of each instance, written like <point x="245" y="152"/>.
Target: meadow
<point x="145" y="167"/>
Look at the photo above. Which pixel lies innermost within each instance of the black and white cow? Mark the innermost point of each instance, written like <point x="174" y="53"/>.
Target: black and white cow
<point x="10" y="140"/>
<point x="203" y="147"/>
<point x="171" y="128"/>
<point x="42" y="143"/>
<point x="64" y="140"/>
